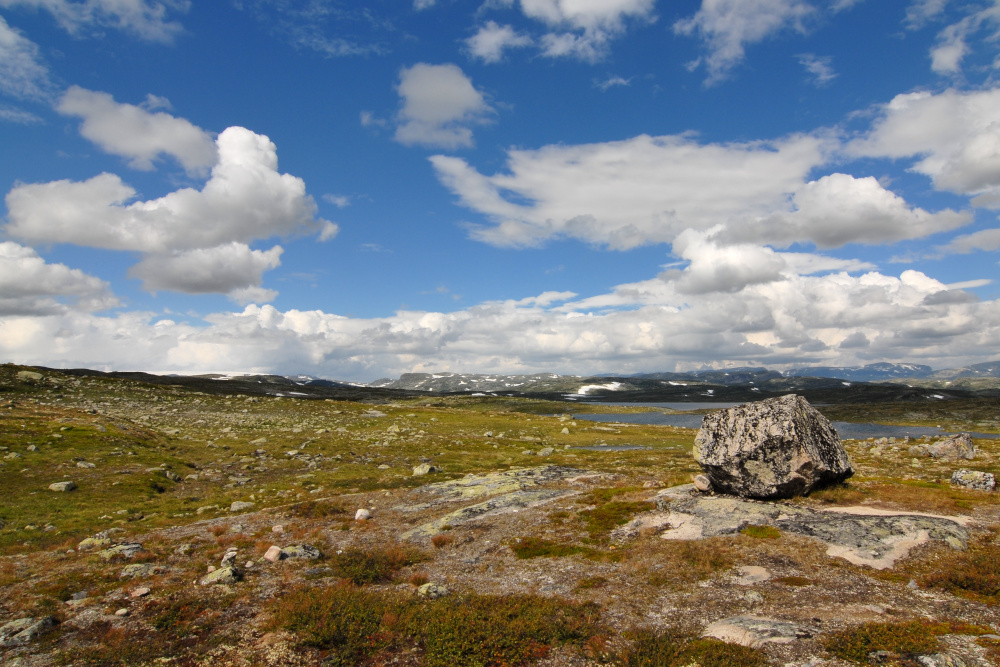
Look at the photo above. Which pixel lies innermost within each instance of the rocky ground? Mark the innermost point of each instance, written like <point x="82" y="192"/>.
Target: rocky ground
<point x="221" y="529"/>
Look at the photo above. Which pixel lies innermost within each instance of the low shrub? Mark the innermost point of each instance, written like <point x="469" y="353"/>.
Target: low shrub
<point x="972" y="574"/>
<point x="651" y="648"/>
<point x="374" y="566"/>
<point x="605" y="518"/>
<point x="902" y="640"/>
<point x="350" y="625"/>
<point x="536" y="547"/>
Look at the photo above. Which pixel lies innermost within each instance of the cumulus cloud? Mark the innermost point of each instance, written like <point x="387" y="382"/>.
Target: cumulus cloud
<point x="628" y="193"/>
<point x="31" y="286"/>
<point x="245" y="199"/>
<point x="136" y="132"/>
<point x="728" y="26"/>
<point x="583" y="29"/>
<point x="492" y="39"/>
<point x="439" y="104"/>
<point x="955" y="135"/>
<point x="144" y="19"/>
<point x="223" y="268"/>
<point x="22" y="73"/>
<point x="839" y="209"/>
<point x="835" y="318"/>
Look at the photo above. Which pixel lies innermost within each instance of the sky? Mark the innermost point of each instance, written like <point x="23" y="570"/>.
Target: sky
<point x="358" y="190"/>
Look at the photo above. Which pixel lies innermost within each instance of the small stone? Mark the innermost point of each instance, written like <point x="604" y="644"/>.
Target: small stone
<point x="545" y="451"/>
<point x="225" y="575"/>
<point x="278" y="529"/>
<point x="249" y="564"/>
<point x="121" y="551"/>
<point x="183" y="550"/>
<point x="362" y="515"/>
<point x="229" y="558"/>
<point x="703" y="483"/>
<point x="122" y="612"/>
<point x="138" y="570"/>
<point x="93" y="542"/>
<point x="140" y="592"/>
<point x="565" y="431"/>
<point x="62" y="486"/>
<point x="301" y="551"/>
<point x="424" y="469"/>
<point x="753" y="597"/>
<point x="85" y="464"/>
<point x="274" y="554"/>
<point x="240" y="505"/>
<point x="432" y="591"/>
<point x="24" y="630"/>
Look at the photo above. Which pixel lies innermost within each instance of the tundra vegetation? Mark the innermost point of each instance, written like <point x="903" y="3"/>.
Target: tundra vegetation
<point x="194" y="476"/>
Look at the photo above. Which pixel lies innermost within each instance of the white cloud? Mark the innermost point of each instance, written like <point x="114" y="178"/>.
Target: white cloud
<point x="986" y="239"/>
<point x="953" y="41"/>
<point x="245" y="199"/>
<point x="221" y="269"/>
<point x="22" y="74"/>
<point x="628" y="193"/>
<point x="836" y="318"/>
<point x="922" y="11"/>
<point x="612" y="82"/>
<point x="143" y="18"/>
<point x="328" y="231"/>
<point x="492" y="39"/>
<point x="839" y="209"/>
<point x="955" y="134"/>
<point x="728" y="26"/>
<point x="195" y="241"/>
<point x="584" y="29"/>
<point x="340" y="201"/>
<point x="31" y="286"/>
<point x="820" y="68"/>
<point x="439" y="105"/>
<point x="593" y="17"/>
<point x="18" y="116"/>
<point x="136" y="133"/>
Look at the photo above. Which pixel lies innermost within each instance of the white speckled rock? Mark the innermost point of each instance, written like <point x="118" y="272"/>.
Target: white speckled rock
<point x="776" y="448"/>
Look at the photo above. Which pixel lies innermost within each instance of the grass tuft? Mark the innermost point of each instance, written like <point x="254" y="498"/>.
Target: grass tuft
<point x="762" y="532"/>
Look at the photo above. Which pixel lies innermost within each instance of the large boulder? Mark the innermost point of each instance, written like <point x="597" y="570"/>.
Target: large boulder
<point x="956" y="447"/>
<point x="777" y="448"/>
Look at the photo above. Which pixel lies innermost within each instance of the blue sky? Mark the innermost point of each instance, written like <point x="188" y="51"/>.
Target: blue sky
<point x="578" y="186"/>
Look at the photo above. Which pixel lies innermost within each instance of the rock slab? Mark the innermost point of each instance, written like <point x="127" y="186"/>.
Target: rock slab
<point x="776" y="448"/>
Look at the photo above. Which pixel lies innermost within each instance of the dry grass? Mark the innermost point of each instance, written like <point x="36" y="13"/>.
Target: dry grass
<point x="679" y="563"/>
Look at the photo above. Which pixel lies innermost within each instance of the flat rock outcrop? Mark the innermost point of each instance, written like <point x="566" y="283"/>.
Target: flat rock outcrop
<point x="776" y="448"/>
<point x="860" y="535"/>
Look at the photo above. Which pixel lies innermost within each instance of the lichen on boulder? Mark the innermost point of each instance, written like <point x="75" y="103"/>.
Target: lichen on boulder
<point x="776" y="448"/>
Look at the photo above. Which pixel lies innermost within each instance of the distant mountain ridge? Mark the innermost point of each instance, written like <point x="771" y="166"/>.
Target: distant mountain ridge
<point x="728" y="384"/>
